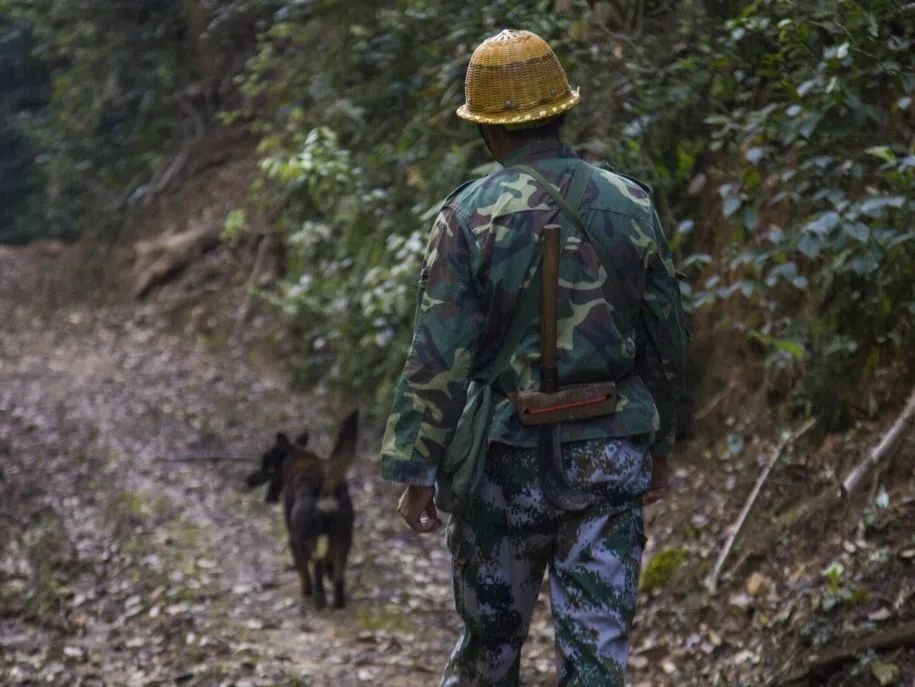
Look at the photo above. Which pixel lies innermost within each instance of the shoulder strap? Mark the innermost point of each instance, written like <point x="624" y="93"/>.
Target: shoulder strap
<point x="552" y="190"/>
<point x="525" y="311"/>
<point x="576" y="191"/>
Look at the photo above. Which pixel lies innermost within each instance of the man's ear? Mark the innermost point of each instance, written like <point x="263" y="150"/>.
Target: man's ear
<point x="487" y="139"/>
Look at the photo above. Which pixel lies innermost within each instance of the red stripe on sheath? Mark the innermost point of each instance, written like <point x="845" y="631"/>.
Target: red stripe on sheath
<point x="567" y="406"/>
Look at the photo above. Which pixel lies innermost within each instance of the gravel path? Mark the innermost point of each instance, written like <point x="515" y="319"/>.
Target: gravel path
<point x="122" y="566"/>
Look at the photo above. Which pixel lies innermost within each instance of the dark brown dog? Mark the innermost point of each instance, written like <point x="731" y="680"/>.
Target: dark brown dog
<point x="316" y="504"/>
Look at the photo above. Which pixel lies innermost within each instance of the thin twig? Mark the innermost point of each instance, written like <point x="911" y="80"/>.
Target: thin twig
<point x="882" y="450"/>
<point x="711" y="582"/>
<point x="713" y="403"/>
<point x="250" y="286"/>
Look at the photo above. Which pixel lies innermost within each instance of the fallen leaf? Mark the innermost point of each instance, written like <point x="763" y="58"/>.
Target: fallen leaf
<point x="886" y="673"/>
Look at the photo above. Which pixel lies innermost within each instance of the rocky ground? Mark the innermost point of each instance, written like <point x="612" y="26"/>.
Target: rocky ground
<point x="126" y="560"/>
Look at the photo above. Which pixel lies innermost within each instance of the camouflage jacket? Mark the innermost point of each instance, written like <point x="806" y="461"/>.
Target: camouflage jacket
<point x="483" y="250"/>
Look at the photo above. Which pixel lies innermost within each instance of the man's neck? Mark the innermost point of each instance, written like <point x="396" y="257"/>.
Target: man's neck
<point x="516" y="151"/>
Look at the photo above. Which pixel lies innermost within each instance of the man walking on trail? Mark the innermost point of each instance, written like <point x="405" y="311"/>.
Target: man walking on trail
<point x="617" y="328"/>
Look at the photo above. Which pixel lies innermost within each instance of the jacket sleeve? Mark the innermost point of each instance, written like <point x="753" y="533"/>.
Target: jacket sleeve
<point x="432" y="389"/>
<point x="661" y="337"/>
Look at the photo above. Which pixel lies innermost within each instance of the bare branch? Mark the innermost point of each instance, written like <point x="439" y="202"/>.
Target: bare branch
<point x="711" y="582"/>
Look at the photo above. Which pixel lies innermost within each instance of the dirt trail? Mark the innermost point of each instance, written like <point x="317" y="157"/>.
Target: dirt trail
<point x="123" y="567"/>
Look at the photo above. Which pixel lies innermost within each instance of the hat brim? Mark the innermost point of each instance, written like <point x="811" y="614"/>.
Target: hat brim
<point x="532" y="114"/>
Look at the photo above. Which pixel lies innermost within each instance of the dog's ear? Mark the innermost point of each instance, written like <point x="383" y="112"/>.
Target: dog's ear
<point x="341" y="458"/>
<point x="282" y="441"/>
<point x="302" y="439"/>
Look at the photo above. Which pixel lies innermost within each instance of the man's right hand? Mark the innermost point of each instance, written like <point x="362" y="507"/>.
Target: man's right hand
<point x="418" y="510"/>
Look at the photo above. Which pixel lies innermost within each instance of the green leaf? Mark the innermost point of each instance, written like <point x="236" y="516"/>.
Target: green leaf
<point x="874" y="207"/>
<point x="886" y="673"/>
<point x="867" y="263"/>
<point x="750" y="219"/>
<point x="792" y="348"/>
<point x="824" y="223"/>
<point x="857" y="231"/>
<point x="754" y="155"/>
<point x="883" y="152"/>
<point x="731" y="205"/>
<point x="810" y="245"/>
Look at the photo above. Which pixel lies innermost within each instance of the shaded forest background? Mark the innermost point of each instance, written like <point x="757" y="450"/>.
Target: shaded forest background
<point x="777" y="136"/>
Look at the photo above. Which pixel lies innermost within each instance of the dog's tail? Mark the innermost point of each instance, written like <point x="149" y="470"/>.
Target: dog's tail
<point x="341" y="458"/>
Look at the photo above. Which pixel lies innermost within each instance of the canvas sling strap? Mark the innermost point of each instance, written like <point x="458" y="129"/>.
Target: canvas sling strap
<point x="554" y="404"/>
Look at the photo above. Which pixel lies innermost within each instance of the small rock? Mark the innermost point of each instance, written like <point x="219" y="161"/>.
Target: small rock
<point x="880" y="614"/>
<point x="745" y="656"/>
<point x="758" y="583"/>
<point x="741" y="600"/>
<point x="638" y="662"/>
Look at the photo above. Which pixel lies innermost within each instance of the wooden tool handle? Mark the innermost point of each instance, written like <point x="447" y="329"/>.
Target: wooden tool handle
<point x="549" y="288"/>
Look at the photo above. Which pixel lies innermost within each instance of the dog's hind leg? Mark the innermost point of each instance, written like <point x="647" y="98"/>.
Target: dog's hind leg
<point x="320" y="599"/>
<point x="338" y="562"/>
<point x="301" y="558"/>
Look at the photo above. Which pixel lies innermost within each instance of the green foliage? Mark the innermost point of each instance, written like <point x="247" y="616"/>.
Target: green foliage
<point x="354" y="106"/>
<point x="776" y="135"/>
<point x="817" y="190"/>
<point x="110" y="69"/>
<point x="838" y="591"/>
<point x="661" y="568"/>
<point x="23" y="86"/>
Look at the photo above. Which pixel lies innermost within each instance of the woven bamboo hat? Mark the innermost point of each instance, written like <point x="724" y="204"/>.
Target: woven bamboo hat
<point x="514" y="78"/>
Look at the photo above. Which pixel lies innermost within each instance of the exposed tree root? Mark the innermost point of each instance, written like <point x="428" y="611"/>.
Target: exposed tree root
<point x="821" y="664"/>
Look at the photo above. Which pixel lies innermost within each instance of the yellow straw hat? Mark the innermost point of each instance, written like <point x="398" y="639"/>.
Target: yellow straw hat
<point x="514" y="78"/>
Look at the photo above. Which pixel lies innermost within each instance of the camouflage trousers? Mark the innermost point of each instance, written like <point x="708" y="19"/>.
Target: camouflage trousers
<point x="506" y="541"/>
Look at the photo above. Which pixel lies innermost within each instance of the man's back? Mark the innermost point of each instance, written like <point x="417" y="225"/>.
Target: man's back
<point x="602" y="288"/>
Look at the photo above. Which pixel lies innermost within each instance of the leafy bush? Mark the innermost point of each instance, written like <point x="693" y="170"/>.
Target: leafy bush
<point x="818" y="190"/>
<point x="774" y="132"/>
<point x="24" y="87"/>
<point x="354" y="106"/>
<point x="112" y="67"/>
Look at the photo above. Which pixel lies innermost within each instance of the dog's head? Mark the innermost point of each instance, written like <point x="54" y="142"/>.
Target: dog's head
<point x="312" y="474"/>
<point x="271" y="466"/>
